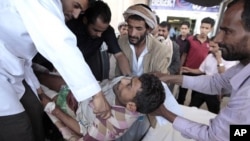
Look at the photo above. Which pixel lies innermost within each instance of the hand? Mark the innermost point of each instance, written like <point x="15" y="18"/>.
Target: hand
<point x="159" y="111"/>
<point x="44" y="99"/>
<point x="185" y="70"/>
<point x="158" y="74"/>
<point x="101" y="106"/>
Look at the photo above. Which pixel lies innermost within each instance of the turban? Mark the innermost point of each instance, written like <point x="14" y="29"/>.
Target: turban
<point x="143" y="12"/>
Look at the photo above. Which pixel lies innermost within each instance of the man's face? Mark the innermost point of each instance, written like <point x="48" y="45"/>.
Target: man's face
<point x="163" y="31"/>
<point x="137" y="31"/>
<point x="184" y="30"/>
<point x="126" y="89"/>
<point x="96" y="30"/>
<point x="123" y="30"/>
<point x="205" y="28"/>
<point x="72" y="8"/>
<point x="213" y="47"/>
<point x="233" y="39"/>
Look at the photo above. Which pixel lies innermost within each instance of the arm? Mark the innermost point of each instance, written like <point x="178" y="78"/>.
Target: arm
<point x="183" y="58"/>
<point x="123" y="63"/>
<point x="56" y="43"/>
<point x="114" y="48"/>
<point x="220" y="65"/>
<point x="190" y="70"/>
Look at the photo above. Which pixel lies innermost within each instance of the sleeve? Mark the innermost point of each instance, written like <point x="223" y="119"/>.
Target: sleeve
<point x="203" y="66"/>
<point x="111" y="41"/>
<point x="57" y="44"/>
<point x="214" y="84"/>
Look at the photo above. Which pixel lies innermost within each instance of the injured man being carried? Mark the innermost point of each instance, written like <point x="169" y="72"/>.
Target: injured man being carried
<point x="129" y="98"/>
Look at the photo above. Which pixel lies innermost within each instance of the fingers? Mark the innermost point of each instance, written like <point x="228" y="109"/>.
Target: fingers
<point x="103" y="115"/>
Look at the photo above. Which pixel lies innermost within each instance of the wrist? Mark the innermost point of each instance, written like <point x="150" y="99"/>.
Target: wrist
<point x="220" y="65"/>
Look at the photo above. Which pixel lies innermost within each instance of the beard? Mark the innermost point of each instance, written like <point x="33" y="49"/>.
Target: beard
<point x="235" y="52"/>
<point x="136" y="40"/>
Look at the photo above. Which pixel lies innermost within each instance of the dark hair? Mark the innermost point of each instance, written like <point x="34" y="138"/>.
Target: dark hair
<point x="98" y="9"/>
<point x="208" y="20"/>
<point x="138" y="18"/>
<point x="186" y="23"/>
<point x="151" y="96"/>
<point x="165" y="24"/>
<point x="245" y="16"/>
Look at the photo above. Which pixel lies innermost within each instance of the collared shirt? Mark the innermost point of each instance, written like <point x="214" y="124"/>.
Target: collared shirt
<point x="88" y="45"/>
<point x="28" y="26"/>
<point x="183" y="44"/>
<point x="209" y="65"/>
<point x="234" y="81"/>
<point x="197" y="52"/>
<point x="137" y="68"/>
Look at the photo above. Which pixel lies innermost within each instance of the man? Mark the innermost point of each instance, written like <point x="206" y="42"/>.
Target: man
<point x="144" y="52"/>
<point x="91" y="30"/>
<point x="233" y="39"/>
<point x="196" y="53"/>
<point x="39" y="26"/>
<point x="126" y="95"/>
<point x="182" y="41"/>
<point x="212" y="64"/>
<point x="163" y="31"/>
<point x="123" y="29"/>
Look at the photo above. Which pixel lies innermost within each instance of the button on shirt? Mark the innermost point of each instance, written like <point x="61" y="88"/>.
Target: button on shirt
<point x="236" y="81"/>
<point x="28" y="26"/>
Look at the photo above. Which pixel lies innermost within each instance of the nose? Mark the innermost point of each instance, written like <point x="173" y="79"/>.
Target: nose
<point x="219" y="37"/>
<point x="99" y="34"/>
<point x="76" y="13"/>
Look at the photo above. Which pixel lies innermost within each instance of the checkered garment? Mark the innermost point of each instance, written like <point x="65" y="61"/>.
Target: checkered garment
<point x="112" y="128"/>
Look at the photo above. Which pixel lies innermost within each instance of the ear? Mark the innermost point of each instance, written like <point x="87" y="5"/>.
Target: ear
<point x="131" y="106"/>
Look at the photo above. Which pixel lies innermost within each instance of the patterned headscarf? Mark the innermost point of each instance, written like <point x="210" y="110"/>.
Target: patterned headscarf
<point x="143" y="12"/>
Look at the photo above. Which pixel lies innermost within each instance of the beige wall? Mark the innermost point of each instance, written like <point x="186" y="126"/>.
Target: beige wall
<point x="118" y="7"/>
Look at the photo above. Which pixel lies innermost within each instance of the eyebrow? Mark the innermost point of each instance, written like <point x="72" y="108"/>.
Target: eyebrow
<point x="224" y="28"/>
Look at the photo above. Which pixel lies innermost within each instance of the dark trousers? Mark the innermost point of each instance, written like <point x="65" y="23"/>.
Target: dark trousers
<point x="212" y="101"/>
<point x="182" y="95"/>
<point x="183" y="91"/>
<point x="34" y="110"/>
<point x="16" y="128"/>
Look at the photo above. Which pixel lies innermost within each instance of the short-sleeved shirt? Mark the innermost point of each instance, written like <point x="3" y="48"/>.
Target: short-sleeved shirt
<point x="90" y="46"/>
<point x="197" y="52"/>
<point x="183" y="45"/>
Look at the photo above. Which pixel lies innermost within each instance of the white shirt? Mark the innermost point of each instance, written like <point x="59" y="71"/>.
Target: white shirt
<point x="28" y="26"/>
<point x="209" y="65"/>
<point x="137" y="68"/>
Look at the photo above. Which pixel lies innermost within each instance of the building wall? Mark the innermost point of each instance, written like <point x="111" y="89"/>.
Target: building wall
<point x="118" y="7"/>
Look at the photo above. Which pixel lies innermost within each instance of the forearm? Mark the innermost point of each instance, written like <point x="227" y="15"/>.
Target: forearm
<point x="176" y="79"/>
<point x="123" y="63"/>
<point x="67" y="120"/>
<point x="53" y="82"/>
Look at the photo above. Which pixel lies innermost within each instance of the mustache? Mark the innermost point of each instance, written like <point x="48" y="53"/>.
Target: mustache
<point x="132" y="37"/>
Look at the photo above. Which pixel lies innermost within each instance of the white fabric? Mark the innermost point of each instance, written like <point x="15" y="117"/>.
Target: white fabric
<point x="28" y="26"/>
<point x="171" y="104"/>
<point x="166" y="132"/>
<point x="50" y="107"/>
<point x="137" y="68"/>
<point x="209" y="65"/>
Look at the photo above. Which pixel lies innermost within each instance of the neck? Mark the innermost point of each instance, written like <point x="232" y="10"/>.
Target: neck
<point x="202" y="38"/>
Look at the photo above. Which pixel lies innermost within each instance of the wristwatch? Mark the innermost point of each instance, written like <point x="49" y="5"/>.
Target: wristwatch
<point x="220" y="65"/>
